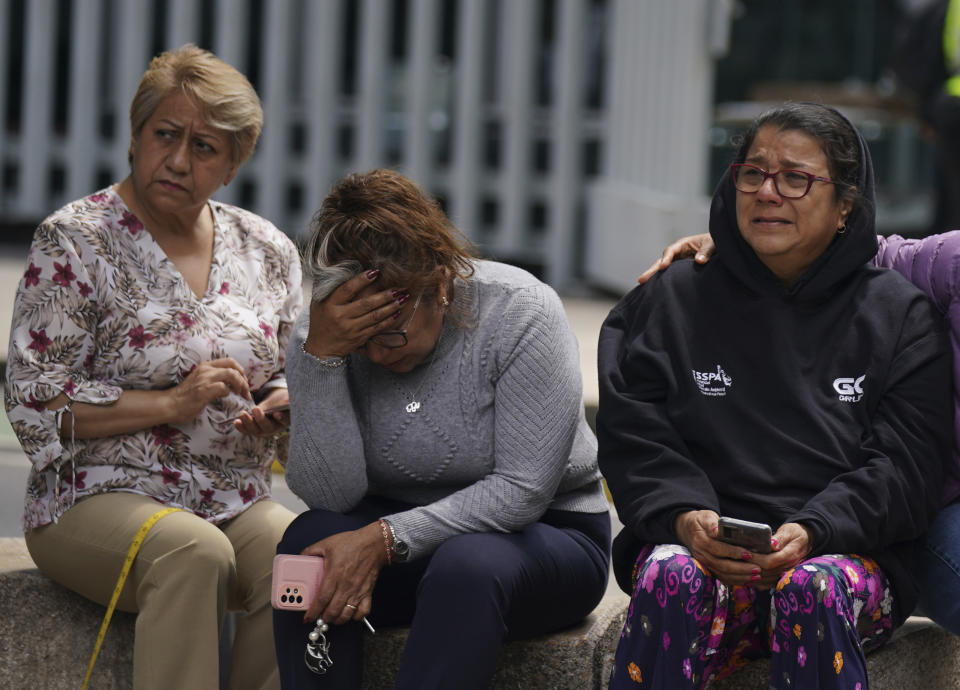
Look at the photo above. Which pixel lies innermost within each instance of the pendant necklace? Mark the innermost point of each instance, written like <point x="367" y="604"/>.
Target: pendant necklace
<point x="414" y="405"/>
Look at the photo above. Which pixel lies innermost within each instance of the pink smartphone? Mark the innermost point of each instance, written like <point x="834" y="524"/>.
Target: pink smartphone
<point x="296" y="580"/>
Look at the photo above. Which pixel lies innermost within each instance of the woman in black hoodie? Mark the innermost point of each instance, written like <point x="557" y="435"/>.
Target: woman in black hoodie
<point x="786" y="382"/>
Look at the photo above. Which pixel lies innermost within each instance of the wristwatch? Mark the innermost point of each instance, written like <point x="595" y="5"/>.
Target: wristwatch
<point x="399" y="549"/>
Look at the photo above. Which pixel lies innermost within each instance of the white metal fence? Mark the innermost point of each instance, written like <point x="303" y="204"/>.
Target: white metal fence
<point x="501" y="108"/>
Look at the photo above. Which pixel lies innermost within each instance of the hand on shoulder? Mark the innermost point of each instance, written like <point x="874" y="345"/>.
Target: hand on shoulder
<point x="700" y="247"/>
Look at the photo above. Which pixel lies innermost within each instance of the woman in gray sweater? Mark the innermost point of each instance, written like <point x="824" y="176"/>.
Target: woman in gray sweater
<point x="438" y="429"/>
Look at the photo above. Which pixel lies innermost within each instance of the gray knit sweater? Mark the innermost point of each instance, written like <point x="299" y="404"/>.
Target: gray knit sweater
<point x="500" y="437"/>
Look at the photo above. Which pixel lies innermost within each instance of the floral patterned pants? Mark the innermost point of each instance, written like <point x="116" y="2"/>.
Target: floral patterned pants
<point x="685" y="629"/>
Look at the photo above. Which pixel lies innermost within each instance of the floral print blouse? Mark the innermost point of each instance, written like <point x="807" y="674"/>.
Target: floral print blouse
<point x="101" y="309"/>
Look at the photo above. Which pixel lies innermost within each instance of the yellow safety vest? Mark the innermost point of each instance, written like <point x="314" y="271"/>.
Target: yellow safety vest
<point x="951" y="47"/>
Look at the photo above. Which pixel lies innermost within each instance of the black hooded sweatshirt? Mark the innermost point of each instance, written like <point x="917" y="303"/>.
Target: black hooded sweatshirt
<point x="826" y="403"/>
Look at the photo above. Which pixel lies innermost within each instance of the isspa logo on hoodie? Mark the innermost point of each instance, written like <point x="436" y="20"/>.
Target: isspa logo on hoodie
<point x="713" y="383"/>
<point x="849" y="389"/>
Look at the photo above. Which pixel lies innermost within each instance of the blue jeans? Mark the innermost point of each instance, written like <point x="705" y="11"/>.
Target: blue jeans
<point x="940" y="570"/>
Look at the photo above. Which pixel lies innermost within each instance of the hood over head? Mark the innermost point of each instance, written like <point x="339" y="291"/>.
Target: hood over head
<point x="847" y="253"/>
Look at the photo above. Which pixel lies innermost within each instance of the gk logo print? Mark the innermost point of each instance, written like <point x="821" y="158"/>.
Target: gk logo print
<point x="849" y="389"/>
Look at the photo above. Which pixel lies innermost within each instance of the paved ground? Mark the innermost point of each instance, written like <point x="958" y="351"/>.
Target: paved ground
<point x="12" y="260"/>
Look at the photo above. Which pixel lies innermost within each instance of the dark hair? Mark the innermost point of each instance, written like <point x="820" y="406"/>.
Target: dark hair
<point x="381" y="219"/>
<point x="837" y="138"/>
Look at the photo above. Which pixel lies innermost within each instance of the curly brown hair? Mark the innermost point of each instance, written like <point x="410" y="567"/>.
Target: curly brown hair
<point x="382" y="219"/>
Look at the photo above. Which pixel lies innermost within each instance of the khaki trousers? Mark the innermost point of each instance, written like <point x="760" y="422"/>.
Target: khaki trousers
<point x="187" y="574"/>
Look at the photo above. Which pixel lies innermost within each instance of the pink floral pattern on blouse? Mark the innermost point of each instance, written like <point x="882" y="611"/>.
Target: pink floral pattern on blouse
<point x="100" y="309"/>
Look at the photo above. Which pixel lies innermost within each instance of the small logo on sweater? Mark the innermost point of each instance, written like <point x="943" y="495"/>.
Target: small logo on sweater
<point x="713" y="383"/>
<point x="849" y="389"/>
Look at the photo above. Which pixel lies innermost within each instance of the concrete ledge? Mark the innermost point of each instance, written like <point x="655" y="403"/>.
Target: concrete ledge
<point x="579" y="658"/>
<point x="47" y="634"/>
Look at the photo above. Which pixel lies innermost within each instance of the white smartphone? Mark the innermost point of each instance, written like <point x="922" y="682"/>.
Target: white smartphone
<point x="754" y="536"/>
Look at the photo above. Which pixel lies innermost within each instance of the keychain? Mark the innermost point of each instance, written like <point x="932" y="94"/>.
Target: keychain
<point x="317" y="656"/>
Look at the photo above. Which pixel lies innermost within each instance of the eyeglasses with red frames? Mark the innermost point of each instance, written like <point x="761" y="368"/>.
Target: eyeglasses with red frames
<point x="790" y="184"/>
<point x="395" y="339"/>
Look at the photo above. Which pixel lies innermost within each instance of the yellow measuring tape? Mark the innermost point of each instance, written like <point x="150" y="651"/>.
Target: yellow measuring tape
<point x="127" y="564"/>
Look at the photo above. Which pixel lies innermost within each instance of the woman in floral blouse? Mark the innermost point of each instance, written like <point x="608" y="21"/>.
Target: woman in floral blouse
<point x="148" y="340"/>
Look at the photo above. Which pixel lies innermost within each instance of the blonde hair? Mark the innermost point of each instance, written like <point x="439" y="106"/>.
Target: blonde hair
<point x="222" y="93"/>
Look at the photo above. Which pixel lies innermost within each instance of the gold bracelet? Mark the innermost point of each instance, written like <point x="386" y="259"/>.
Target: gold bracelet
<point x="385" y="530"/>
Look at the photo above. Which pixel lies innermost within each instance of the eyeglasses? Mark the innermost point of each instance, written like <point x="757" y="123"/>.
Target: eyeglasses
<point x="790" y="184"/>
<point x="395" y="339"/>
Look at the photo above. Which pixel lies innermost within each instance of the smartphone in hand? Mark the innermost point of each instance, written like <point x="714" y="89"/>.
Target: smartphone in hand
<point x="267" y="411"/>
<point x="754" y="536"/>
<point x="296" y="580"/>
<point x="277" y="408"/>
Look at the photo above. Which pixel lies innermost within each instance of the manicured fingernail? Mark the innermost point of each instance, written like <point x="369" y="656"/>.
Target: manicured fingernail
<point x="745" y="556"/>
<point x="755" y="572"/>
<point x="373" y="273"/>
<point x="774" y="543"/>
<point x="755" y="576"/>
<point x="396" y="293"/>
<point x="396" y="315"/>
<point x="403" y="298"/>
<point x="700" y="257"/>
